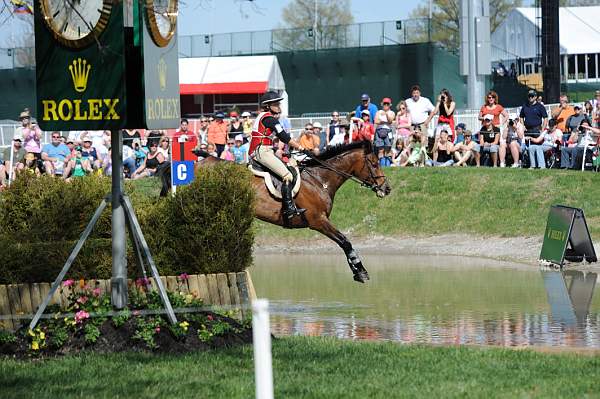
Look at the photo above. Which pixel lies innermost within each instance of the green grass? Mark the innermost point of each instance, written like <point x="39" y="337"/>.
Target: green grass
<point x="483" y="201"/>
<point x="310" y="368"/>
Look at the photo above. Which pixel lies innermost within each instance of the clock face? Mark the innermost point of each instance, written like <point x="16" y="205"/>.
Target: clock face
<point x="76" y="23"/>
<point x="162" y="20"/>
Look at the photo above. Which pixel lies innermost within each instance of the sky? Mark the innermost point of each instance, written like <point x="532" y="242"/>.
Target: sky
<point x="224" y="16"/>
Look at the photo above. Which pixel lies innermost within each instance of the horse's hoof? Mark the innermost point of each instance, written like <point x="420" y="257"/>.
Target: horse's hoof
<point x="361" y="277"/>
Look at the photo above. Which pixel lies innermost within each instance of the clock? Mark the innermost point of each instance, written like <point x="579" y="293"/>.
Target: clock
<point x="162" y="20"/>
<point x="76" y="23"/>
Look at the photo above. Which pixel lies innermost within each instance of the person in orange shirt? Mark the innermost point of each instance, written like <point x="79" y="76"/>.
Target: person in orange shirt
<point x="562" y="112"/>
<point x="309" y="140"/>
<point x="217" y="132"/>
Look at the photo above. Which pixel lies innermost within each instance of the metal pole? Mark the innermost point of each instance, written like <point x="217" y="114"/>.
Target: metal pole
<point x="315" y="25"/>
<point x="119" y="240"/>
<point x="429" y="22"/>
<point x="261" y="336"/>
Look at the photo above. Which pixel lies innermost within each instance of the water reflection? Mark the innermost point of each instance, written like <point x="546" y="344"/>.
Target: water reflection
<point x="436" y="300"/>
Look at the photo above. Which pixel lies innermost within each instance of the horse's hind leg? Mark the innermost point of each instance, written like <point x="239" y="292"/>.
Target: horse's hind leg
<point x="325" y="227"/>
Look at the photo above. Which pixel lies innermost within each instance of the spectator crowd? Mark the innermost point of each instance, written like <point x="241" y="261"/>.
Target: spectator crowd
<point x="402" y="135"/>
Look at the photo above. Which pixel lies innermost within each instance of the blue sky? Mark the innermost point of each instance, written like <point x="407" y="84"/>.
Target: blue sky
<point x="223" y="16"/>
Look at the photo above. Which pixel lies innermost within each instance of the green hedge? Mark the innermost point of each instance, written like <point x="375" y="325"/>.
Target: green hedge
<point x="204" y="228"/>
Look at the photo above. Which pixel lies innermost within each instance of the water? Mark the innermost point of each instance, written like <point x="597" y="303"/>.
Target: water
<point x="430" y="299"/>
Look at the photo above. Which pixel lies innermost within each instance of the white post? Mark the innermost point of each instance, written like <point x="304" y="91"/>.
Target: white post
<point x="12" y="162"/>
<point x="261" y="336"/>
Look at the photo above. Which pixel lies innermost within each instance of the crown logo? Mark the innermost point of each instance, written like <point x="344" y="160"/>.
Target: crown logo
<point x="80" y="71"/>
<point x="162" y="74"/>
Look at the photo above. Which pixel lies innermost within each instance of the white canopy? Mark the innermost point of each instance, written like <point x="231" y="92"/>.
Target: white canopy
<point x="230" y="75"/>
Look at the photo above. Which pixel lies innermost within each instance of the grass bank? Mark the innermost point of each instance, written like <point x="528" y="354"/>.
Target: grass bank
<point x="483" y="201"/>
<point x="310" y="368"/>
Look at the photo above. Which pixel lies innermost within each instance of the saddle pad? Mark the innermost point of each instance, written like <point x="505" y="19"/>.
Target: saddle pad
<point x="272" y="181"/>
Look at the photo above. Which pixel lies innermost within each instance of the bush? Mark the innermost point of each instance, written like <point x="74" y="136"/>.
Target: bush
<point x="205" y="228"/>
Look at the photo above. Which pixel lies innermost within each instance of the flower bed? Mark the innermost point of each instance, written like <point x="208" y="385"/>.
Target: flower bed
<point x="86" y="322"/>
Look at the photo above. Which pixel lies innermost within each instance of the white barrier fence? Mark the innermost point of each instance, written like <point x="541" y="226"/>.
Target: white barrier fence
<point x="261" y="337"/>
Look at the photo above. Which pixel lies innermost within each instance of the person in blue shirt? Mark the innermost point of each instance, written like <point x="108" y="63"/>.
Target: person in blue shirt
<point x="365" y="103"/>
<point x="55" y="154"/>
<point x="239" y="150"/>
<point x="533" y="115"/>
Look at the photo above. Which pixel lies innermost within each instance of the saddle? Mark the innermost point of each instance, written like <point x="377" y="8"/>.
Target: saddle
<point x="274" y="182"/>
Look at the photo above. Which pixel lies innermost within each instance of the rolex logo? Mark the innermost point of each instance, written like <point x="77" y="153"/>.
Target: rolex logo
<point x="80" y="71"/>
<point x="162" y="74"/>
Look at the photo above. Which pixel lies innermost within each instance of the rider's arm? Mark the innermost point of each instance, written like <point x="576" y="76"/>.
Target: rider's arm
<point x="278" y="130"/>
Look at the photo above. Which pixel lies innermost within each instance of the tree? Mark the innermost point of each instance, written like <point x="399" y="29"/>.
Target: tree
<point x="446" y="16"/>
<point x="578" y="3"/>
<point x="299" y="17"/>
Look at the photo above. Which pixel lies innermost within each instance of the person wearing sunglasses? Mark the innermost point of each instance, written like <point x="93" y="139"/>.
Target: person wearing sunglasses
<point x="493" y="108"/>
<point x="54" y="155"/>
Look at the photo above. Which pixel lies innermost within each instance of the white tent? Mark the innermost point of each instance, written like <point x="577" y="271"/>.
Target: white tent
<point x="518" y="34"/>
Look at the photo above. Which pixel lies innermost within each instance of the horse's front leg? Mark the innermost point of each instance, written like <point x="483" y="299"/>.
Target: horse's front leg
<point x="325" y="227"/>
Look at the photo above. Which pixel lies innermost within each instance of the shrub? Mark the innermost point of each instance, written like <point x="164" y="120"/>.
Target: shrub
<point x="205" y="228"/>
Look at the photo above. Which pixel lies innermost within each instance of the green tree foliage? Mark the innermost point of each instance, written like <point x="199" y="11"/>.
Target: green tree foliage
<point x="299" y="17"/>
<point x="446" y="19"/>
<point x="578" y="3"/>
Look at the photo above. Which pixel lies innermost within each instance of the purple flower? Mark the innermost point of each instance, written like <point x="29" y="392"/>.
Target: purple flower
<point x="184" y="276"/>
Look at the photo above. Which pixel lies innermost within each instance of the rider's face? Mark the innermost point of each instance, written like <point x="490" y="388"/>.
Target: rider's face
<point x="275" y="108"/>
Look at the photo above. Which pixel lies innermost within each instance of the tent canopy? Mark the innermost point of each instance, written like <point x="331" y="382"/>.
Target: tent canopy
<point x="230" y="75"/>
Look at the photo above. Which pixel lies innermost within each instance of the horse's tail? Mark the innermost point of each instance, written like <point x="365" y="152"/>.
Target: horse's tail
<point x="164" y="174"/>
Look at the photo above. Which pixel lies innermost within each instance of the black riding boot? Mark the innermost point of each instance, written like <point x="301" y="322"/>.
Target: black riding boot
<point x="287" y="202"/>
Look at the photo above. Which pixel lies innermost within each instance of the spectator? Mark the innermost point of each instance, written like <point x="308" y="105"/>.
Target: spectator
<point x="562" y="112"/>
<point x="203" y="130"/>
<point x="31" y="134"/>
<point x="442" y="151"/>
<point x="399" y="154"/>
<point x="235" y="125"/>
<point x="533" y="115"/>
<point x="416" y="149"/>
<point x="128" y="136"/>
<point x="460" y="131"/>
<point x="420" y="109"/>
<point x="247" y="125"/>
<point x="512" y="138"/>
<point x="578" y="141"/>
<point x="319" y="132"/>
<point x="403" y="122"/>
<point x="465" y="151"/>
<point x="31" y="164"/>
<point x="335" y="133"/>
<point x="128" y="157"/>
<point x="78" y="166"/>
<point x="493" y="108"/>
<point x="150" y="163"/>
<point x="156" y="135"/>
<point x="217" y="132"/>
<point x="163" y="148"/>
<point x="227" y="153"/>
<point x="240" y="151"/>
<point x="596" y="100"/>
<point x="54" y="155"/>
<point x="184" y="135"/>
<point x="489" y="139"/>
<point x="212" y="150"/>
<point x="75" y="136"/>
<point x="365" y="104"/>
<point x="365" y="130"/>
<point x="384" y="118"/>
<point x="588" y="109"/>
<point x="140" y="153"/>
<point x="596" y="115"/>
<point x="107" y="163"/>
<point x="308" y="140"/>
<point x="90" y="154"/>
<point x="18" y="154"/>
<point x="544" y="142"/>
<point x="574" y="121"/>
<point x="445" y="106"/>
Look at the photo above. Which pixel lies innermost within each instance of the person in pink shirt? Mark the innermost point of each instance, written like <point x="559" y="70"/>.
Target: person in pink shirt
<point x="31" y="133"/>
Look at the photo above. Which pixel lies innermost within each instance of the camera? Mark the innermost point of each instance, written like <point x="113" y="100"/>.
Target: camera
<point x="581" y="129"/>
<point x="511" y="123"/>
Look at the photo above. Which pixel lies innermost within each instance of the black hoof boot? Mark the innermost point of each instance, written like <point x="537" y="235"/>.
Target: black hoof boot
<point x="361" y="277"/>
<point x="361" y="269"/>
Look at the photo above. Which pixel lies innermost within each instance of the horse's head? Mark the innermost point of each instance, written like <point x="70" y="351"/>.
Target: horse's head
<point x="368" y="171"/>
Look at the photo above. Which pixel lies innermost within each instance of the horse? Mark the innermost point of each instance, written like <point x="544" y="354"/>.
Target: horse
<point x="322" y="175"/>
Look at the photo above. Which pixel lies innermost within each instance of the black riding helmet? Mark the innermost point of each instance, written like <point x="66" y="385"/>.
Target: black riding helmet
<point x="269" y="98"/>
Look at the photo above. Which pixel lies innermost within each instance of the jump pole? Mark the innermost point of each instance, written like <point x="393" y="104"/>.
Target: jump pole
<point x="261" y="336"/>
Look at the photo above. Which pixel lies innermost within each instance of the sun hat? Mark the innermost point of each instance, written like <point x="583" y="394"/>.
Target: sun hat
<point x="365" y="112"/>
<point x="317" y="125"/>
<point x="239" y="137"/>
<point x="245" y="113"/>
<point x="17" y="136"/>
<point x="488" y="117"/>
<point x="386" y="100"/>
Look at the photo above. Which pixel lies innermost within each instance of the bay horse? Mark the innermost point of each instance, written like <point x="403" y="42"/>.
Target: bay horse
<point x="322" y="175"/>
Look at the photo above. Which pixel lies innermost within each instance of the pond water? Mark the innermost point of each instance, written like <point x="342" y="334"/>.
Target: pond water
<point x="430" y="299"/>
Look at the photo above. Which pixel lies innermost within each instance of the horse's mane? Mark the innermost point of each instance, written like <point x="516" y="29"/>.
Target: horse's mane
<point x="333" y="151"/>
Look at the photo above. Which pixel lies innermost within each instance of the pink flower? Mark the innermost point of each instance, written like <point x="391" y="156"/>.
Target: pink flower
<point x="68" y="283"/>
<point x="142" y="282"/>
<point x="81" y="315"/>
<point x="183" y="276"/>
<point x="157" y="329"/>
<point x="96" y="292"/>
<point x="209" y="317"/>
<point x="136" y="312"/>
<point x="82" y="299"/>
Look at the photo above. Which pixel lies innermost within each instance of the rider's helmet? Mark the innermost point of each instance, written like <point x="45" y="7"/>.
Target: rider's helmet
<point x="269" y="98"/>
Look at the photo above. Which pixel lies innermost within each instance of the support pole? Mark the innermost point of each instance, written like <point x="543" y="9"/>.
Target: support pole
<point x="119" y="239"/>
<point x="261" y="335"/>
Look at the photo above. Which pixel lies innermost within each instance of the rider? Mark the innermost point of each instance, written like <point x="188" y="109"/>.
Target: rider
<point x="266" y="127"/>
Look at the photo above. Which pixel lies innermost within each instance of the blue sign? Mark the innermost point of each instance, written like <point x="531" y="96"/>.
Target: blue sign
<point x="183" y="172"/>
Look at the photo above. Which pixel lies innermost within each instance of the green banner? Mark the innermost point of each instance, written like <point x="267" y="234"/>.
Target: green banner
<point x="556" y="237"/>
<point x="161" y="78"/>
<point x="80" y="83"/>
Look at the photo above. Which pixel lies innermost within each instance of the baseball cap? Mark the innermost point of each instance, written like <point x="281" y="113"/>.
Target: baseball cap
<point x="365" y="112"/>
<point x="386" y="100"/>
<point x="245" y="113"/>
<point x="88" y="138"/>
<point x="365" y="96"/>
<point x="233" y="114"/>
<point x="239" y="137"/>
<point x="462" y="126"/>
<point x="488" y="117"/>
<point x="576" y="107"/>
<point x="220" y="115"/>
<point x="531" y="93"/>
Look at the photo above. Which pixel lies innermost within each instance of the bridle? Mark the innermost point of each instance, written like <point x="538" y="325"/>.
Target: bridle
<point x="367" y="164"/>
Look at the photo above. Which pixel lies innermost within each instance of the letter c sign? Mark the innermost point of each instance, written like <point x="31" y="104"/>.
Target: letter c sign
<point x="183" y="172"/>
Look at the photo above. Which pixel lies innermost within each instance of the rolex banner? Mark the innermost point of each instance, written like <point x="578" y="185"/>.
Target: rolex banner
<point x="80" y="83"/>
<point x="161" y="77"/>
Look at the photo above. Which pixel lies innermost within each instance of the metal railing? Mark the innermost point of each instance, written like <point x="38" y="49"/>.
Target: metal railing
<point x="327" y="37"/>
<point x="20" y="57"/>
